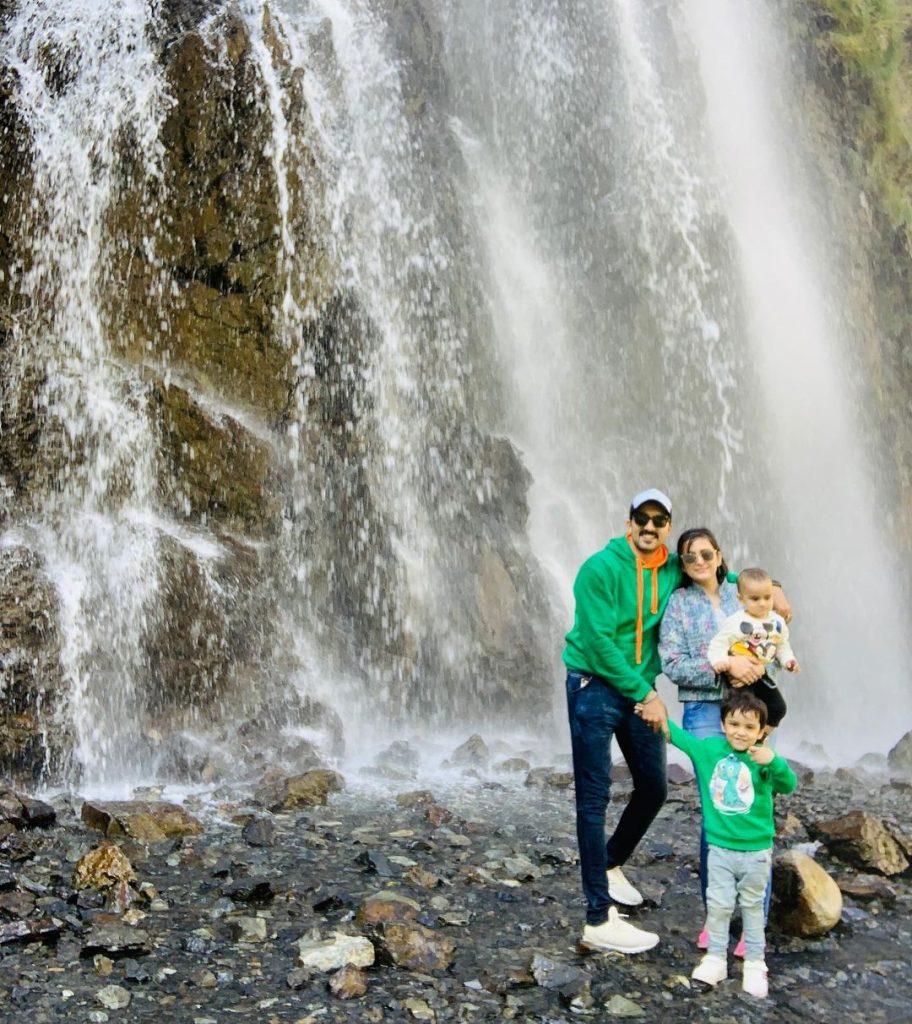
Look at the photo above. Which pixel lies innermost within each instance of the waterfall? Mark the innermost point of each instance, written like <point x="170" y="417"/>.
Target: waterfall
<point x="343" y="362"/>
<point x="77" y="100"/>
<point x="801" y="360"/>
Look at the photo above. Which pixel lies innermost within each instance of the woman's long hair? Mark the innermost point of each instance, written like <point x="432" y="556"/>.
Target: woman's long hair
<point x="687" y="538"/>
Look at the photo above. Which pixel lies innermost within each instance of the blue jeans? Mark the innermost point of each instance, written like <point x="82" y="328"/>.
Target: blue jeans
<point x="597" y="713"/>
<point x="701" y="718"/>
<point x="741" y="873"/>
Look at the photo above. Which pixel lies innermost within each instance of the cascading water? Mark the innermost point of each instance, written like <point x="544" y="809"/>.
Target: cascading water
<point x="77" y="102"/>
<point x="456" y="232"/>
<point x="801" y="357"/>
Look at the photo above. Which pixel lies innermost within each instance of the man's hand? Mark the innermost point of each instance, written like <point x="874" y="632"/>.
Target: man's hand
<point x="655" y="715"/>
<point x="793" y="666"/>
<point x="761" y="754"/>
<point x="781" y="604"/>
<point x="743" y="670"/>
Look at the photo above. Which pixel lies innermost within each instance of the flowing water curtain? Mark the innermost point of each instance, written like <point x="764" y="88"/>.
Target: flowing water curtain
<point x="407" y="479"/>
<point x="87" y="83"/>
<point x="789" y="221"/>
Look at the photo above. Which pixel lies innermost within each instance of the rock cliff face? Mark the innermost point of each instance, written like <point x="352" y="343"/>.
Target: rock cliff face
<point x="235" y="335"/>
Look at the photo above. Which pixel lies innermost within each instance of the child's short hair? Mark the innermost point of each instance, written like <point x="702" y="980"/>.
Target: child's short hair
<point x="754" y="575"/>
<point x="746" y="703"/>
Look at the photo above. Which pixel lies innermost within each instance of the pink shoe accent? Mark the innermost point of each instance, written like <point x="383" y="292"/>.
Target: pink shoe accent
<point x="703" y="941"/>
<point x="739" y="949"/>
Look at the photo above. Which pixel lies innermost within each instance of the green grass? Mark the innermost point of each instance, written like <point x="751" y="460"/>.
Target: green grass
<point x="871" y="40"/>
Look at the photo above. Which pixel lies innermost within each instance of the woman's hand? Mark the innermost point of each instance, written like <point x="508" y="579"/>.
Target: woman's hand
<point x="744" y="670"/>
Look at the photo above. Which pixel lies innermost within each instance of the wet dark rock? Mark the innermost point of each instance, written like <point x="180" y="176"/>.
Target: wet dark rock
<point x="250" y="890"/>
<point x="109" y="935"/>
<point x="572" y="983"/>
<point x="332" y="903"/>
<point x="41" y="930"/>
<point x="24" y="812"/>
<point x="869" y="889"/>
<point x="259" y="832"/>
<point x="16" y="904"/>
<point x="136" y="972"/>
<point x="376" y="863"/>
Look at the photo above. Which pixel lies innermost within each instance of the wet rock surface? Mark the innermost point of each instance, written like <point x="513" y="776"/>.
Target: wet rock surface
<point x="473" y="918"/>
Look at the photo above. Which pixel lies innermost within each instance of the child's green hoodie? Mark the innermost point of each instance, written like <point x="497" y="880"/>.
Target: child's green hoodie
<point x="736" y="793"/>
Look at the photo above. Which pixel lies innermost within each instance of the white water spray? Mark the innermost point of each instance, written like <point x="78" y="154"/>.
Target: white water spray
<point x="798" y="361"/>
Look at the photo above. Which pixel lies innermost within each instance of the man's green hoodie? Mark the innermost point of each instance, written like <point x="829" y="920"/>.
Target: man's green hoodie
<point x="609" y="605"/>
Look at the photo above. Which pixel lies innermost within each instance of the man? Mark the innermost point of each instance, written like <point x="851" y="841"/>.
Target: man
<point x="612" y="661"/>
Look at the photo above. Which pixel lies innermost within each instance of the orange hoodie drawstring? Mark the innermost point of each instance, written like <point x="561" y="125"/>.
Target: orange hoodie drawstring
<point x="654" y="561"/>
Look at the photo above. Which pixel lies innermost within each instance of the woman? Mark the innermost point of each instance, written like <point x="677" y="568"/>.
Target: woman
<point x="694" y="614"/>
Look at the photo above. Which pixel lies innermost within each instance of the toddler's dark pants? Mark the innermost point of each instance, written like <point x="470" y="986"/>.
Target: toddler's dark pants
<point x="768" y="692"/>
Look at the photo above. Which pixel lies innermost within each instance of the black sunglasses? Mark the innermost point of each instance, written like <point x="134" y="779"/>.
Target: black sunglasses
<point x="659" y="520"/>
<point x="707" y="554"/>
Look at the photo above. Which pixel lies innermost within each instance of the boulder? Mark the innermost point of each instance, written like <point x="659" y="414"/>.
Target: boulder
<point x="311" y="789"/>
<point x="384" y="907"/>
<point x="474" y="752"/>
<point x="807" y="901"/>
<point x="24" y="811"/>
<point x="414" y="947"/>
<point x="862" y="840"/>
<point x="146" y="821"/>
<point x="105" y="866"/>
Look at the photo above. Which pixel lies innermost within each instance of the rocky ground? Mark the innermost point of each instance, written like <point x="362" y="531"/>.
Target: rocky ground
<point x="247" y="906"/>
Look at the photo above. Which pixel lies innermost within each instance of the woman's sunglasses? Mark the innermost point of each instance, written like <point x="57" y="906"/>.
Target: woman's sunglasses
<point x="692" y="557"/>
<point x="659" y="520"/>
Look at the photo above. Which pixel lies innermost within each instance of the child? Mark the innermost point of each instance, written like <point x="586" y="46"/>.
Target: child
<point x="737" y="779"/>
<point x="760" y="633"/>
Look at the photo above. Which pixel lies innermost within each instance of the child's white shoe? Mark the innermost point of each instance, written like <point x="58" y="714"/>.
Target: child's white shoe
<point x="710" y="970"/>
<point x="754" y="981"/>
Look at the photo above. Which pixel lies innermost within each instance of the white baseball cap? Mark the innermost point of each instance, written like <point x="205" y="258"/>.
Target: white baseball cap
<point x="654" y="495"/>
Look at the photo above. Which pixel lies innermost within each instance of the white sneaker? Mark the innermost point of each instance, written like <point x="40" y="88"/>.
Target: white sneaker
<point x="754" y="980"/>
<point x="617" y="935"/>
<point x="710" y="970"/>
<point x="621" y="891"/>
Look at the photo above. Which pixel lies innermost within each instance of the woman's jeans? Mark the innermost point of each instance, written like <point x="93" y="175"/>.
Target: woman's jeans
<point x="743" y="874"/>
<point x="701" y="718"/>
<point x="597" y="713"/>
